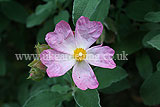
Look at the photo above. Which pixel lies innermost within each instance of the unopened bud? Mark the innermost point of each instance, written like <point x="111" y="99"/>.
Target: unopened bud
<point x="37" y="64"/>
<point x="40" y="48"/>
<point x="36" y="74"/>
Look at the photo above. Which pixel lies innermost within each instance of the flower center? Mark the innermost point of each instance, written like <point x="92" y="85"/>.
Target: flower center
<point x="79" y="54"/>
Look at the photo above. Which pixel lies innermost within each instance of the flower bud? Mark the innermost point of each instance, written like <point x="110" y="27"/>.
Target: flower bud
<point x="40" y="48"/>
<point x="36" y="74"/>
<point x="37" y="64"/>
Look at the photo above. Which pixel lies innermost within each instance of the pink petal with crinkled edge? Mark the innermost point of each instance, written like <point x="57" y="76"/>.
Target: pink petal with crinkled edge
<point x="57" y="63"/>
<point x="101" y="56"/>
<point x="62" y="39"/>
<point x="83" y="76"/>
<point x="87" y="32"/>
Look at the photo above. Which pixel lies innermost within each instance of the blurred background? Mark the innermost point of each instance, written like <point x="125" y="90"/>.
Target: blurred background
<point x="24" y="23"/>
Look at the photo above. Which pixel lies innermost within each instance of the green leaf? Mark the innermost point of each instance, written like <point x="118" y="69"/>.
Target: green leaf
<point x="144" y="65"/>
<point x="41" y="14"/>
<point x="116" y="87"/>
<point x="47" y="27"/>
<point x="56" y="1"/>
<point x="63" y="15"/>
<point x="149" y="36"/>
<point x="150" y="90"/>
<point x="38" y="86"/>
<point x="150" y="26"/>
<point x="158" y="66"/>
<point x="95" y="10"/>
<point x="58" y="80"/>
<point x="2" y="64"/>
<point x="155" y="42"/>
<point x="68" y="76"/>
<point x="45" y="98"/>
<point x="14" y="11"/>
<point x="130" y="44"/>
<point x="84" y="8"/>
<point x="34" y="19"/>
<point x="87" y="98"/>
<point x="60" y="89"/>
<point x="60" y="1"/>
<point x="106" y="76"/>
<point x="101" y="11"/>
<point x="136" y="10"/>
<point x="152" y="17"/>
<point x="110" y="25"/>
<point x="23" y="92"/>
<point x="49" y="6"/>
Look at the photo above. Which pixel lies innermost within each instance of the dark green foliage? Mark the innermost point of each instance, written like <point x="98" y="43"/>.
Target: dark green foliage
<point x="88" y="98"/>
<point x="131" y="27"/>
<point x="150" y="89"/>
<point x="107" y="76"/>
<point x="14" y="11"/>
<point x="144" y="65"/>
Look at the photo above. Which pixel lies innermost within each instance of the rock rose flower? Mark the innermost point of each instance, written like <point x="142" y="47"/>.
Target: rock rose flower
<point x="73" y="50"/>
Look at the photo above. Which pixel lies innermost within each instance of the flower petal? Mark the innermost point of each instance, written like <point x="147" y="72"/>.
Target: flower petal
<point x="62" y="39"/>
<point x="57" y="63"/>
<point x="83" y="76"/>
<point x="87" y="32"/>
<point x="101" y="56"/>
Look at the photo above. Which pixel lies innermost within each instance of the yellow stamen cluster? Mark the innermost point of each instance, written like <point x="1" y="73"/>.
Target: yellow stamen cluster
<point x="79" y="54"/>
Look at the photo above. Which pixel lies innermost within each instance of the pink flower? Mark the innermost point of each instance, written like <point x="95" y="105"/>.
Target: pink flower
<point x="69" y="50"/>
